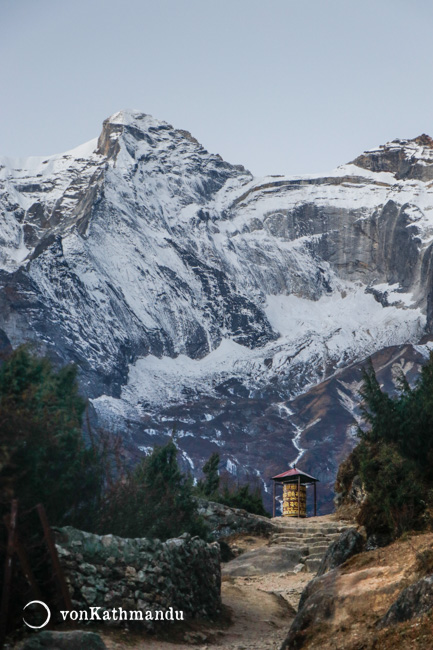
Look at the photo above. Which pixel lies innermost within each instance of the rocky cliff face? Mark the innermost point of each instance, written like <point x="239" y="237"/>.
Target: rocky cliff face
<point x="188" y="291"/>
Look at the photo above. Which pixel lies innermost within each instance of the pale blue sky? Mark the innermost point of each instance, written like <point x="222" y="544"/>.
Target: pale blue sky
<point x="280" y="86"/>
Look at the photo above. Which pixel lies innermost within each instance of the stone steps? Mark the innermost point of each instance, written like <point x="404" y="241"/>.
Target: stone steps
<point x="312" y="564"/>
<point x="307" y="533"/>
<point x="315" y="556"/>
<point x="311" y="538"/>
<point x="304" y="538"/>
<point x="301" y="543"/>
<point x="310" y="529"/>
<point x="318" y="549"/>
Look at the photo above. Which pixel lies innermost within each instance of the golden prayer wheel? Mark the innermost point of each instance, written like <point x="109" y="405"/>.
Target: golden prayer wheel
<point x="290" y="500"/>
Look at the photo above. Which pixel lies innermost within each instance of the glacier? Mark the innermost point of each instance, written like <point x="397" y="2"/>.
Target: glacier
<point x="192" y="295"/>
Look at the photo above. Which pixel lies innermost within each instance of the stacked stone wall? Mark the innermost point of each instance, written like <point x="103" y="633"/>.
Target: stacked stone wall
<point x="141" y="574"/>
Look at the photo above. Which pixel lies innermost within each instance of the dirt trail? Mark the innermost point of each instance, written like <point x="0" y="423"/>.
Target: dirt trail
<point x="258" y="610"/>
<point x="261" y="609"/>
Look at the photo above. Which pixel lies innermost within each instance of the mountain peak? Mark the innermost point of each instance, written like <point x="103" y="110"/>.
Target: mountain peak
<point x="132" y="117"/>
<point x="424" y="140"/>
<point x="406" y="159"/>
<point x="130" y="137"/>
<point x="129" y="121"/>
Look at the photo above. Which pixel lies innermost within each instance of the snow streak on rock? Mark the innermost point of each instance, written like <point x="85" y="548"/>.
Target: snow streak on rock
<point x="189" y="292"/>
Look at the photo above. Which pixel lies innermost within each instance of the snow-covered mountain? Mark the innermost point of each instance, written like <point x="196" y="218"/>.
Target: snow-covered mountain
<point x="188" y="291"/>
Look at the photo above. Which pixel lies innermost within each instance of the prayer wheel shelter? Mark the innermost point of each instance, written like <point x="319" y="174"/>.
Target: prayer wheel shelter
<point x="294" y="483"/>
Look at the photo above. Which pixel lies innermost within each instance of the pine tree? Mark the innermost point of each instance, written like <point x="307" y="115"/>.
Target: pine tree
<point x="244" y="497"/>
<point x="155" y="500"/>
<point x="378" y="408"/>
<point x="395" y="456"/>
<point x="209" y="486"/>
<point x="232" y="495"/>
<point x="43" y="457"/>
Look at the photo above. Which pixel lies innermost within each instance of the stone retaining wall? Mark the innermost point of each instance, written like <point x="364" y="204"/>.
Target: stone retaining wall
<point x="141" y="574"/>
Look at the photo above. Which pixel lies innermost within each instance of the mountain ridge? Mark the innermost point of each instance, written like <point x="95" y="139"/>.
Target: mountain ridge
<point x="182" y="286"/>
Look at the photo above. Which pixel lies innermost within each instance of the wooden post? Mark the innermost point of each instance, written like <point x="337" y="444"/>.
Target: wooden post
<point x="299" y="496"/>
<point x="273" y="499"/>
<point x="315" y="510"/>
<point x="8" y="572"/>
<point x="24" y="560"/>
<point x="54" y="557"/>
<point x="27" y="569"/>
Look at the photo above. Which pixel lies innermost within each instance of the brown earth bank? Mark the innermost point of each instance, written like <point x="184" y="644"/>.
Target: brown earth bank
<point x="345" y="605"/>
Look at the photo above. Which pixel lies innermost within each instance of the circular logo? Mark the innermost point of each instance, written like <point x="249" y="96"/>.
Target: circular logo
<point x="38" y="602"/>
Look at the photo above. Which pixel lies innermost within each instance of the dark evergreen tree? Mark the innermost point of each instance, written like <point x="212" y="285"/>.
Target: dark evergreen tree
<point x="395" y="501"/>
<point x="415" y="435"/>
<point x="209" y="486"/>
<point x="155" y="500"/>
<point x="378" y="408"/>
<point x="395" y="456"/>
<point x="43" y="457"/>
<point x="230" y="494"/>
<point x="405" y="420"/>
<point x="245" y="497"/>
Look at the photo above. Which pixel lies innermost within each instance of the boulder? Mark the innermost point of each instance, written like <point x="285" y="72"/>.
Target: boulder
<point x="413" y="601"/>
<point x="317" y="610"/>
<point x="378" y="540"/>
<point x="75" y="640"/>
<point x="349" y="543"/>
<point x="274" y="559"/>
<point x="225" y="521"/>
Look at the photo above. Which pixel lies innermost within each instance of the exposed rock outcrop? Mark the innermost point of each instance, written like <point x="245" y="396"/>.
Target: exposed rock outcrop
<point x="264" y="560"/>
<point x="357" y="604"/>
<point x="316" y="609"/>
<point x="413" y="602"/>
<point x="348" y="544"/>
<point x="224" y="521"/>
<point x="404" y="158"/>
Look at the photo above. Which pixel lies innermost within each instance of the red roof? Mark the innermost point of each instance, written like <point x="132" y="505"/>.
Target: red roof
<point x="294" y="472"/>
